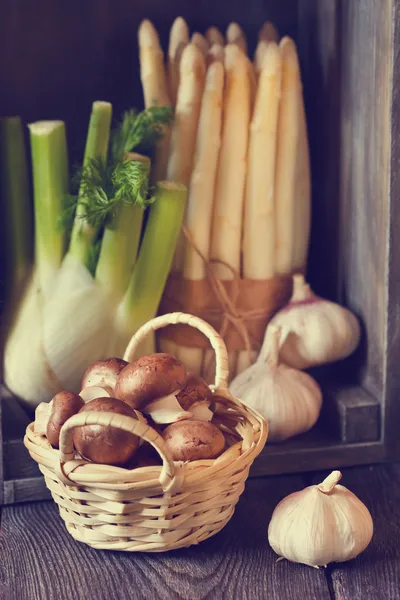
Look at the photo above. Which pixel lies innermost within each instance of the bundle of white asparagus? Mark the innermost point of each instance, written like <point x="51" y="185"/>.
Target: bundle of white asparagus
<point x="239" y="142"/>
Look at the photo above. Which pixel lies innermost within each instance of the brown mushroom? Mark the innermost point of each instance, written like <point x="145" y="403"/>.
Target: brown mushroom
<point x="63" y="406"/>
<point x="103" y="373"/>
<point x="148" y="378"/>
<point x="106" y="445"/>
<point x="195" y="390"/>
<point x="194" y="440"/>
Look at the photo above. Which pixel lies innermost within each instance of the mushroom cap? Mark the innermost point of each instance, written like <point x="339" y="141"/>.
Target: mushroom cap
<point x="103" y="373"/>
<point x="64" y="405"/>
<point x="195" y="390"/>
<point x="150" y="377"/>
<point x="194" y="440"/>
<point x="106" y="445"/>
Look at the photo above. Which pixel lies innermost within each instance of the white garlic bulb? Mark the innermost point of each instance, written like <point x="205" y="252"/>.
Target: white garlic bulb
<point x="321" y="524"/>
<point x="288" y="399"/>
<point x="315" y="331"/>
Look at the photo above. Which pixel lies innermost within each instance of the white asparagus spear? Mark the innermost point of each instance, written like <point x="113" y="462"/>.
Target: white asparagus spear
<point x="155" y="89"/>
<point x="201" y="42"/>
<point x="201" y="192"/>
<point x="231" y="176"/>
<point x="259" y="55"/>
<point x="287" y="147"/>
<point x="303" y="194"/>
<point x="202" y="183"/>
<point x="268" y="32"/>
<point x="259" y="221"/>
<point x="167" y="346"/>
<point x="183" y="138"/>
<point x="214" y="36"/>
<point x="230" y="184"/>
<point x="183" y="141"/>
<point x="235" y="35"/>
<point x="215" y="53"/>
<point x="253" y="83"/>
<point x="178" y="40"/>
<point x="152" y="70"/>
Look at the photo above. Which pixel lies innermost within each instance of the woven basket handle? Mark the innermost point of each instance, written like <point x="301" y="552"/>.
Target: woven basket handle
<point x="221" y="354"/>
<point x="168" y="475"/>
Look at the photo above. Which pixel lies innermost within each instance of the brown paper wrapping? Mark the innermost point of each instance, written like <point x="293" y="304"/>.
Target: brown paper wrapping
<point x="252" y="305"/>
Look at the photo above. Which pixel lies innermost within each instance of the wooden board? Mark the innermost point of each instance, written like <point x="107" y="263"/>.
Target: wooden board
<point x="375" y="574"/>
<point x="346" y="59"/>
<point x="41" y="560"/>
<point x="392" y="391"/>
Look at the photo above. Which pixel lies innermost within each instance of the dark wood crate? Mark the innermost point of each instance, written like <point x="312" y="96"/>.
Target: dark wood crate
<point x="62" y="56"/>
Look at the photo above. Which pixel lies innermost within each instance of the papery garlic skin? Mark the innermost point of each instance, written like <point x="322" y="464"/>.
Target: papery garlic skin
<point x="315" y="331"/>
<point x="317" y="527"/>
<point x="288" y="399"/>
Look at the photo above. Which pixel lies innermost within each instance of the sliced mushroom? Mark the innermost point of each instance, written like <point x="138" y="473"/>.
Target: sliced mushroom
<point x="103" y="373"/>
<point x="149" y="378"/>
<point x="106" y="445"/>
<point x="194" y="440"/>
<point x="95" y="391"/>
<point x="201" y="411"/>
<point x="63" y="406"/>
<point x="166" y="410"/>
<point x="42" y="415"/>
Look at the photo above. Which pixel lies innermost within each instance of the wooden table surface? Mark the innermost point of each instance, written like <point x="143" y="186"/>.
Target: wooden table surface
<point x="40" y="561"/>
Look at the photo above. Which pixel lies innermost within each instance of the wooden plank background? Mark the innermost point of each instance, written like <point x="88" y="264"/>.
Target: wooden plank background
<point x="39" y="560"/>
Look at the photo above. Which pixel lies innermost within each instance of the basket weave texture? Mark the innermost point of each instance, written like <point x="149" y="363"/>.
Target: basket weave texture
<point x="153" y="508"/>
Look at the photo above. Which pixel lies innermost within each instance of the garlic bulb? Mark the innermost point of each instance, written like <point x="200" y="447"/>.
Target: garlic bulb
<point x="288" y="399"/>
<point x="315" y="331"/>
<point x="321" y="524"/>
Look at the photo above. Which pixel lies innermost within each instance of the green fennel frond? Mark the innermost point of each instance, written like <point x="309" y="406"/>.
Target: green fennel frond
<point x="106" y="187"/>
<point x="142" y="129"/>
<point x="130" y="181"/>
<point x="102" y="187"/>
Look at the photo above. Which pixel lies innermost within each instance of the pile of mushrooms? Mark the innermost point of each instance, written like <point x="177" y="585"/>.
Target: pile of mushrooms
<point x="155" y="388"/>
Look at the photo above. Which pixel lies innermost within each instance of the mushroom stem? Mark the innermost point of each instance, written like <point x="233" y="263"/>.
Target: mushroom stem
<point x="330" y="482"/>
<point x="42" y="416"/>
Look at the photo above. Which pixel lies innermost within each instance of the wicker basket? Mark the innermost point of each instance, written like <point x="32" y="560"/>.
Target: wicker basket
<point x="153" y="508"/>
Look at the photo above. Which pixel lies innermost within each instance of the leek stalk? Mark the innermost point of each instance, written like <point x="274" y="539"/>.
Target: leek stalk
<point x="50" y="184"/>
<point x="120" y="243"/>
<point x="24" y="344"/>
<point x="16" y="205"/>
<point x="83" y="235"/>
<point x="141" y="300"/>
